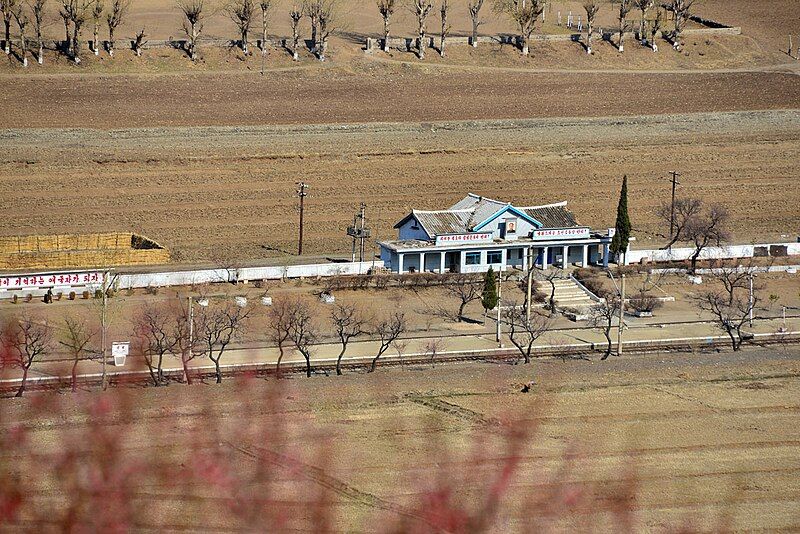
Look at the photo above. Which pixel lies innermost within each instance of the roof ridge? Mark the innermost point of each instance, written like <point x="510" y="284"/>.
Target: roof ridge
<point x="444" y="211"/>
<point x="553" y="205"/>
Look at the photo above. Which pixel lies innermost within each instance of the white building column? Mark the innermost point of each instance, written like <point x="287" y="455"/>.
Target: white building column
<point x="422" y="262"/>
<point x="462" y="260"/>
<point x="544" y="258"/>
<point x="503" y="259"/>
<point x="441" y="262"/>
<point x="399" y="263"/>
<point x="565" y="257"/>
<point x="525" y="252"/>
<point x="585" y="256"/>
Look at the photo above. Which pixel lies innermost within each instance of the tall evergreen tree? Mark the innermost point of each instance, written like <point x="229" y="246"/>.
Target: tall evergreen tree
<point x="619" y="244"/>
<point x="489" y="297"/>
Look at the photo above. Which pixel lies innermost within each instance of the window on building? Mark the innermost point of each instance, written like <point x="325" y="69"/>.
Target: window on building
<point x="494" y="257"/>
<point x="473" y="258"/>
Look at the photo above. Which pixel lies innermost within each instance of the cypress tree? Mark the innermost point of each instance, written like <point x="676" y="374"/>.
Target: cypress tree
<point x="619" y="244"/>
<point x="489" y="296"/>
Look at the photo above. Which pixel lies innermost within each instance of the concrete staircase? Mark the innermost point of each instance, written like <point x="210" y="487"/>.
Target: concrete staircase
<point x="569" y="294"/>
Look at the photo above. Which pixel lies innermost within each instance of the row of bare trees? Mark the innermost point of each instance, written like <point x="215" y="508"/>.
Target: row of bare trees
<point x="524" y="14"/>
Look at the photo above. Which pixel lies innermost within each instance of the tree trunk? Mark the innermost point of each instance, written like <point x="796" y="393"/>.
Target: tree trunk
<point x="23" y="48"/>
<point x="8" y="37"/>
<point x="621" y="41"/>
<point x="217" y="370"/>
<point x="245" y="48"/>
<point x="153" y="375"/>
<point x="475" y="33"/>
<point x="442" y="46"/>
<point x="75" y="375"/>
<point x="76" y="44"/>
<point x="461" y="311"/>
<point x="21" y="389"/>
<point x="96" y="39"/>
<point x="693" y="267"/>
<point x="607" y="333"/>
<point x="588" y="38"/>
<point x="185" y="363"/>
<point x="734" y="342"/>
<point x="296" y="40"/>
<point x="68" y="39"/>
<point x="160" y="367"/>
<point x="374" y="364"/>
<point x="264" y="34"/>
<point x="385" y="34"/>
<point x="308" y="364"/>
<point x="421" y="45"/>
<point x="525" y="47"/>
<point x="323" y="48"/>
<point x="280" y="357"/>
<point x="339" y="360"/>
<point x="111" y="41"/>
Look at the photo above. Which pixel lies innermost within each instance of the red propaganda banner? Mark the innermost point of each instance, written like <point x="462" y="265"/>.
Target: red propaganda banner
<point x="47" y="280"/>
<point x="564" y="233"/>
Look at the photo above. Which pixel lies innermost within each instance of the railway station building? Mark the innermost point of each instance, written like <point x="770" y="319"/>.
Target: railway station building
<point x="477" y="233"/>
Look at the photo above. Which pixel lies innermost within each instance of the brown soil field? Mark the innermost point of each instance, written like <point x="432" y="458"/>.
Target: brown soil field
<point x="706" y="442"/>
<point x="229" y="192"/>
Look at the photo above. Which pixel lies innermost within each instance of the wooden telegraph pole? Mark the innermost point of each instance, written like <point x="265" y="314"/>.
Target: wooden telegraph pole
<point x="302" y="192"/>
<point x="675" y="184"/>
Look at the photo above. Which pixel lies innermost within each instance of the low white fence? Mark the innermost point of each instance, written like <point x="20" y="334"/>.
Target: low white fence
<point x="123" y="280"/>
<point x="715" y="253"/>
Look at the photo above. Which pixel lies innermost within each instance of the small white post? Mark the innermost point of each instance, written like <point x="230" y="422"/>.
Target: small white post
<point x="499" y="297"/>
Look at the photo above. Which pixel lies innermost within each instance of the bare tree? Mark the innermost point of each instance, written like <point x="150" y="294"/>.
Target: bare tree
<point x="8" y="8"/>
<point x="625" y="7"/>
<point x="311" y="9"/>
<point x="445" y="26"/>
<point x="591" y="7"/>
<point x="731" y="302"/>
<point x="119" y="9"/>
<point x="188" y="344"/>
<point x="29" y="338"/>
<point x="279" y="318"/>
<point x="348" y="323"/>
<point x="681" y="9"/>
<point x="550" y="276"/>
<point x="65" y="13"/>
<point x="194" y="15"/>
<point x="296" y="15"/>
<point x="523" y="333"/>
<point x="243" y="13"/>
<point x="474" y="7"/>
<point x="77" y="337"/>
<point x="386" y="9"/>
<point x="388" y="330"/>
<point x="643" y="6"/>
<point x="38" y="10"/>
<point x="679" y="218"/>
<point x="655" y="27"/>
<point x="78" y="12"/>
<point x="217" y="327"/>
<point x="97" y="15"/>
<point x="709" y="227"/>
<point x="601" y="317"/>
<point x="302" y="331"/>
<point x="266" y="7"/>
<point x="22" y="22"/>
<point x="466" y="288"/>
<point x="421" y="9"/>
<point x="156" y="334"/>
<point x="327" y="25"/>
<point x="524" y="13"/>
<point x="139" y="42"/>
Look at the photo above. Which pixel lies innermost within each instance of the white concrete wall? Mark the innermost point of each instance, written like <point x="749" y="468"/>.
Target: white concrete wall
<point x="726" y="252"/>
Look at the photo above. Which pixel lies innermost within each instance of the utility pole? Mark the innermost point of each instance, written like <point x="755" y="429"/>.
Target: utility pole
<point x="621" y="314"/>
<point x="103" y="329"/>
<point x="529" y="293"/>
<point x="302" y="192"/>
<point x="499" y="302"/>
<point x="675" y="184"/>
<point x="359" y="232"/>
<point x="750" y="303"/>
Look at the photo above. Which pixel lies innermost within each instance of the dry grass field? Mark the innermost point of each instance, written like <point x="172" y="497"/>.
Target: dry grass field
<point x="706" y="442"/>
<point x="209" y="193"/>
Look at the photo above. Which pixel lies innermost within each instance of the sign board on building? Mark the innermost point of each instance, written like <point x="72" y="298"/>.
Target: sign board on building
<point x="460" y="239"/>
<point x="561" y="233"/>
<point x="119" y="351"/>
<point x="45" y="280"/>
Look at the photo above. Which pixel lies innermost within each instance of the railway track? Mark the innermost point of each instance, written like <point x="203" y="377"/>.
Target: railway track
<point x="327" y="366"/>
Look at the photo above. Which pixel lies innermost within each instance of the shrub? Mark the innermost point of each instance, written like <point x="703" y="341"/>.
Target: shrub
<point x="644" y="302"/>
<point x="86" y="295"/>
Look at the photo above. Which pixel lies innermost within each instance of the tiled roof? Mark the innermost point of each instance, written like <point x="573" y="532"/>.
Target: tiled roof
<point x="472" y="210"/>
